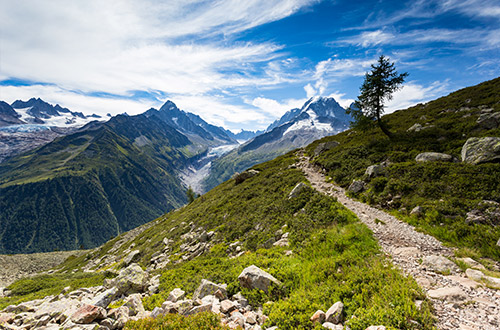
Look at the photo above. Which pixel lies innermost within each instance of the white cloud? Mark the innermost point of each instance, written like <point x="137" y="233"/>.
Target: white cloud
<point x="340" y="98"/>
<point x="274" y="108"/>
<point x="413" y="93"/>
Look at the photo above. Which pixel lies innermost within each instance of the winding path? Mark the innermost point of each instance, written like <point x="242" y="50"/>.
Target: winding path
<point x="468" y="305"/>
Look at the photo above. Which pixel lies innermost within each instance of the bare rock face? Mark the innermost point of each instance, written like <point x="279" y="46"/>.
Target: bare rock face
<point x="88" y="313"/>
<point x="481" y="150"/>
<point x="253" y="277"/>
<point x="208" y="288"/>
<point x="433" y="157"/>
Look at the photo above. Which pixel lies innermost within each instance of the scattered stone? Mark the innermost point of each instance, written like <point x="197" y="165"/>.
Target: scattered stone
<point x="464" y="281"/>
<point x="472" y="263"/>
<point x="357" y="186"/>
<point x="130" y="279"/>
<point x="132" y="256"/>
<point x="169" y="307"/>
<point x="374" y="171"/>
<point x="438" y="263"/>
<point x="451" y="294"/>
<point x="334" y="313"/>
<point x="324" y="146"/>
<point x="487" y="212"/>
<point x="417" y="210"/>
<point x="481" y="150"/>
<point x="318" y="317"/>
<point x="105" y="298"/>
<point x="253" y="277"/>
<point x="415" y="128"/>
<point x="375" y="327"/>
<point x="134" y="303"/>
<point x="488" y="120"/>
<point x="208" y="288"/>
<point x="283" y="241"/>
<point x="433" y="157"/>
<point x="240" y="177"/>
<point x="87" y="314"/>
<point x="175" y="295"/>
<point x="297" y="190"/>
<point x="329" y="325"/>
<point x="205" y="307"/>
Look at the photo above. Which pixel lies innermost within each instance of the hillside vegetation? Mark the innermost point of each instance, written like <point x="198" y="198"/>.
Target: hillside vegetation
<point x="446" y="191"/>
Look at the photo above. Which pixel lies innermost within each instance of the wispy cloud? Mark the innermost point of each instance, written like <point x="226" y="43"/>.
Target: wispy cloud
<point x="413" y="93"/>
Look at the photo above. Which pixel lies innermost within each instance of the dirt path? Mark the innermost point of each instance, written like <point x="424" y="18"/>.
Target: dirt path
<point x="466" y="305"/>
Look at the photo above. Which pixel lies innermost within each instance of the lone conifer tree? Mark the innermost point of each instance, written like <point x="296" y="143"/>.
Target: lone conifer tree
<point x="379" y="84"/>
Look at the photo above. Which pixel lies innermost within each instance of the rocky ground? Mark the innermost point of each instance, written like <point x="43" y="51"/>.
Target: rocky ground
<point x="462" y="300"/>
<point x="16" y="266"/>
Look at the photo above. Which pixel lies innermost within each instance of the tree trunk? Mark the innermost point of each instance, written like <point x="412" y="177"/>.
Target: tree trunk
<point x="384" y="128"/>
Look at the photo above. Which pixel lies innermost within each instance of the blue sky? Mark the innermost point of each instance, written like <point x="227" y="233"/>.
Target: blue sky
<point x="236" y="63"/>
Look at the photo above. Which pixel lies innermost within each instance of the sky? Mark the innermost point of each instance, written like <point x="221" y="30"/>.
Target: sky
<point x="239" y="64"/>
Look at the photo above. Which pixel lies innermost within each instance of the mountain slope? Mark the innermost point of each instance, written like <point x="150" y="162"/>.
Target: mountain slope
<point x="454" y="200"/>
<point x="8" y="116"/>
<point x="318" y="117"/>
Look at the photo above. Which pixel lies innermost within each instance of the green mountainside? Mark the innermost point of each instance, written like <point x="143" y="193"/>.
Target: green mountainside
<point x="446" y="191"/>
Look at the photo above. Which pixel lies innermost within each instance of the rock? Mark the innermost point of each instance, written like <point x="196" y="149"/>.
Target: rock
<point x="208" y="288"/>
<point x="227" y="306"/>
<point x="169" y="307"/>
<point x="438" y="263"/>
<point x="374" y="171"/>
<point x="7" y="318"/>
<point x="297" y="190"/>
<point x="481" y="150"/>
<point x="334" y="313"/>
<point x="87" y="314"/>
<point x="250" y="317"/>
<point x="240" y="299"/>
<point x="415" y="128"/>
<point x="417" y="210"/>
<point x="157" y="311"/>
<point x="253" y="277"/>
<point x="205" y="307"/>
<point x="130" y="279"/>
<point x="105" y="298"/>
<point x="487" y="212"/>
<point x="488" y="120"/>
<point x="132" y="256"/>
<point x="283" y="241"/>
<point x="472" y="263"/>
<point x="375" y="327"/>
<point x="318" y="317"/>
<point x="240" y="177"/>
<point x="175" y="295"/>
<point x="433" y="157"/>
<point x="134" y="303"/>
<point x="464" y="281"/>
<point x="182" y="306"/>
<point x="357" y="186"/>
<point x="330" y="325"/>
<point x="498" y="242"/>
<point x="324" y="146"/>
<point x="154" y="285"/>
<point x="451" y="294"/>
<point x="474" y="274"/>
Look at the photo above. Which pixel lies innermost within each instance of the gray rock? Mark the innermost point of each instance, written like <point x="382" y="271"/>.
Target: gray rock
<point x="241" y="177"/>
<point x="375" y="327"/>
<point x="487" y="212"/>
<point x="87" y="314"/>
<point x="330" y="325"/>
<point x="498" y="242"/>
<point x="325" y="146"/>
<point x="157" y="311"/>
<point x="417" y="210"/>
<point x="357" y="186"/>
<point x="134" y="304"/>
<point x="183" y="306"/>
<point x="130" y="279"/>
<point x="297" y="190"/>
<point x="374" y="171"/>
<point x="176" y="295"/>
<point x="253" y="277"/>
<point x="481" y="150"/>
<point x="475" y="275"/>
<point x="334" y="313"/>
<point x="488" y="120"/>
<point x="438" y="263"/>
<point x="227" y="306"/>
<point x="451" y="294"/>
<point x="208" y="288"/>
<point x="318" y="317"/>
<point x="415" y="128"/>
<point x="199" y="309"/>
<point x="169" y="307"/>
<point x="433" y="157"/>
<point x="132" y="256"/>
<point x="105" y="298"/>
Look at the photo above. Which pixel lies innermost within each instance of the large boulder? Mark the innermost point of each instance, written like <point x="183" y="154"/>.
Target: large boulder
<point x="451" y="294"/>
<point x="488" y="120"/>
<point x="433" y="157"/>
<point x="334" y="313"/>
<point x="297" y="190"/>
<point x="87" y="314"/>
<point x="134" y="304"/>
<point x="208" y="288"/>
<point x="253" y="277"/>
<point x="325" y="146"/>
<point x="374" y="170"/>
<point x="240" y="177"/>
<point x="103" y="299"/>
<point x="130" y="279"/>
<point x="176" y="295"/>
<point x="357" y="186"/>
<point x="481" y="150"/>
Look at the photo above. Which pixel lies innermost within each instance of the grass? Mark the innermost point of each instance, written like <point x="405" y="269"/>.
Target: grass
<point x="202" y="321"/>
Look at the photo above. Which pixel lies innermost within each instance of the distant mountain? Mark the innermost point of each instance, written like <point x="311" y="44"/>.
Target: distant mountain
<point x="8" y="116"/>
<point x="244" y="135"/>
<point x="37" y="111"/>
<point x="104" y="178"/>
<point x="318" y="117"/>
